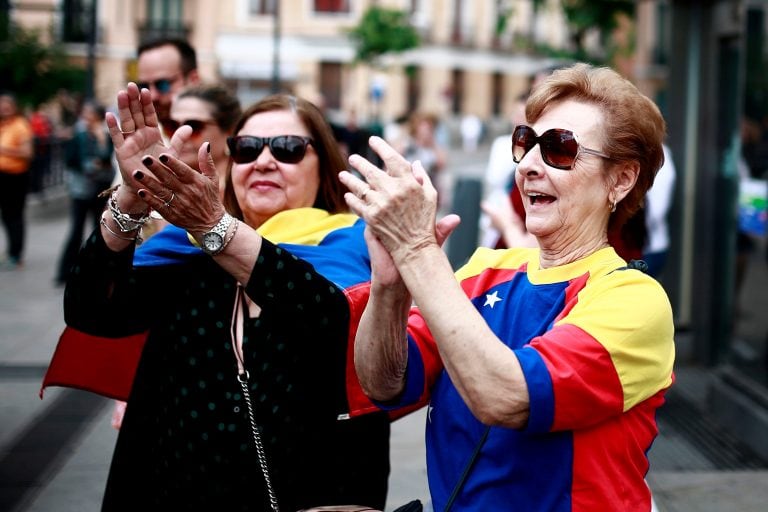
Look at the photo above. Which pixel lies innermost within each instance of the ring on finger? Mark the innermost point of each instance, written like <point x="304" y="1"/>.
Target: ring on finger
<point x="167" y="203"/>
<point x="128" y="132"/>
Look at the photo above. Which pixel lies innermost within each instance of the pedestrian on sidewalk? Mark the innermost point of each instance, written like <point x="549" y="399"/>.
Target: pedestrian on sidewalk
<point x="16" y="142"/>
<point x="244" y="397"/>
<point x="543" y="367"/>
<point x="89" y="173"/>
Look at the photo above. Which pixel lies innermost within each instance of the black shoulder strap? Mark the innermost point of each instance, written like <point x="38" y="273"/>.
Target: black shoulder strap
<point x="467" y="469"/>
<point x="634" y="265"/>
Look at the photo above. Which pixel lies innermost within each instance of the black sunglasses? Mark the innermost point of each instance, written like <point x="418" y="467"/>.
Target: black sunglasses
<point x="559" y="147"/>
<point x="162" y="85"/>
<point x="170" y="126"/>
<point x="289" y="149"/>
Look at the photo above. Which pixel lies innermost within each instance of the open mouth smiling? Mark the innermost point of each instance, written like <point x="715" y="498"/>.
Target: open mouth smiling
<point x="538" y="198"/>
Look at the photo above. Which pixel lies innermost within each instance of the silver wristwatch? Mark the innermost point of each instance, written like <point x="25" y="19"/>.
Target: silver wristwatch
<point x="214" y="240"/>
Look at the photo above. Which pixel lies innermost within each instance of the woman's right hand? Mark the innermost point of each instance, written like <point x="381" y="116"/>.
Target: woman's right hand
<point x="137" y="134"/>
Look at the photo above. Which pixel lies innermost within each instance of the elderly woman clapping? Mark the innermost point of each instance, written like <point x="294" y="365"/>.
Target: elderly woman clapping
<point x="543" y="368"/>
<point x="243" y="398"/>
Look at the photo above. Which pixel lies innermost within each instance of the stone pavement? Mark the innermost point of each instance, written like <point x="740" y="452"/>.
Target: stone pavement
<point x="55" y="452"/>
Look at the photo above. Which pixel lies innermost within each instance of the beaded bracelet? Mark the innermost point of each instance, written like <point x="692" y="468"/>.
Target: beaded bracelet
<point x="232" y="234"/>
<point x="136" y="238"/>
<point x="124" y="221"/>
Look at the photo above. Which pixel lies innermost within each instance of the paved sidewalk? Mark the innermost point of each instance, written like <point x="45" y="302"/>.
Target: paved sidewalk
<point x="55" y="453"/>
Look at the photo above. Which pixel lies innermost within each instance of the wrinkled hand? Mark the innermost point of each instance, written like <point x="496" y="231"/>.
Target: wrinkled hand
<point x="138" y="132"/>
<point x="184" y="197"/>
<point x="383" y="269"/>
<point x="399" y="204"/>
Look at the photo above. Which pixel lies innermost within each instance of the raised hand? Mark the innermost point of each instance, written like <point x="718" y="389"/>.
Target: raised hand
<point x="184" y="197"/>
<point x="399" y="203"/>
<point x="136" y="136"/>
<point x="138" y="132"/>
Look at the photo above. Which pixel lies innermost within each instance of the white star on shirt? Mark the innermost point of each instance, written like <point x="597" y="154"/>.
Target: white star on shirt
<point x="491" y="299"/>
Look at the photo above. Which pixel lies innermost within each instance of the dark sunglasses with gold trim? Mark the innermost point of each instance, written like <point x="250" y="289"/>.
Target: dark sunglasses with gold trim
<point x="559" y="147"/>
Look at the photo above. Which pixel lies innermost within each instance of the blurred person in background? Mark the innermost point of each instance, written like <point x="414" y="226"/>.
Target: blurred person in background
<point x="40" y="167"/>
<point x="658" y="202"/>
<point x="471" y="129"/>
<point x="212" y="111"/>
<point x="165" y="66"/>
<point x="16" y="152"/>
<point x="499" y="192"/>
<point x="420" y="143"/>
<point x="89" y="173"/>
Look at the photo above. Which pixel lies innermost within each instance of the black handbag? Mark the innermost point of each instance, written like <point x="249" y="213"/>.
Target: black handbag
<point x="413" y="506"/>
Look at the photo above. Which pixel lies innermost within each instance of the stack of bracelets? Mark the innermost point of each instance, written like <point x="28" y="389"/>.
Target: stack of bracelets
<point x="126" y="222"/>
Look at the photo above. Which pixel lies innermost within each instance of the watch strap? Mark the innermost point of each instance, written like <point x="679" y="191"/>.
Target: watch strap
<point x="220" y="229"/>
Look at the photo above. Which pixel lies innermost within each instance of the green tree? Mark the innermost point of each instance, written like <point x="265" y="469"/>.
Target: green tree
<point x="585" y="15"/>
<point x="34" y="71"/>
<point x="381" y="31"/>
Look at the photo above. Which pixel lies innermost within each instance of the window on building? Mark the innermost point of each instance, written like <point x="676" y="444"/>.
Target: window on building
<point x="331" y="5"/>
<point x="164" y="19"/>
<point x="330" y="84"/>
<point x="74" y="21"/>
<point x="261" y="7"/>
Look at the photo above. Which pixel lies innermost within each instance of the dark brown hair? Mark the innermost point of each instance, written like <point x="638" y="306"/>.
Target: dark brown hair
<point x="187" y="53"/>
<point x="224" y="106"/>
<point x="330" y="195"/>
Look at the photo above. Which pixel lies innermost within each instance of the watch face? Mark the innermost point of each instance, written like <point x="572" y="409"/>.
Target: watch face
<point x="212" y="241"/>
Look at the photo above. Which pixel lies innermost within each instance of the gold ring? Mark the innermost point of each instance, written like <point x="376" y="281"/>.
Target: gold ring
<point x="127" y="133"/>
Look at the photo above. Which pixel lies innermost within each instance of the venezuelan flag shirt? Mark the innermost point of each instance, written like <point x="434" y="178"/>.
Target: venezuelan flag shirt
<point x="595" y="342"/>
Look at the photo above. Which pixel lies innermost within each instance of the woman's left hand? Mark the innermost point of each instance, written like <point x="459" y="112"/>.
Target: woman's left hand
<point x="399" y="204"/>
<point x="183" y="196"/>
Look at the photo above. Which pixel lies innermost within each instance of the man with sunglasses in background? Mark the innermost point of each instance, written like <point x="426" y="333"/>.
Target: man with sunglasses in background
<point x="165" y="66"/>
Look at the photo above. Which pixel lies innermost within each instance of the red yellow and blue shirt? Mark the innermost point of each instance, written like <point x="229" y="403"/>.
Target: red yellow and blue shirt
<point x="595" y="343"/>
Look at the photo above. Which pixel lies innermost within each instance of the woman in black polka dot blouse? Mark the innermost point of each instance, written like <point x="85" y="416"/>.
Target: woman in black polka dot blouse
<point x="247" y="308"/>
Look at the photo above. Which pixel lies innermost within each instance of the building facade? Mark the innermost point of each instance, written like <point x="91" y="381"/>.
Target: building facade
<point x="464" y="64"/>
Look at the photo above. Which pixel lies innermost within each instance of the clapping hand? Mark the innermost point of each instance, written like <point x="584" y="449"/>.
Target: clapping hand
<point x="138" y="131"/>
<point x="137" y="135"/>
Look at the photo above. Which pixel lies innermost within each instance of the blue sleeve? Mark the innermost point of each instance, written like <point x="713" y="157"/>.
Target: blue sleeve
<point x="540" y="392"/>
<point x="414" y="381"/>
